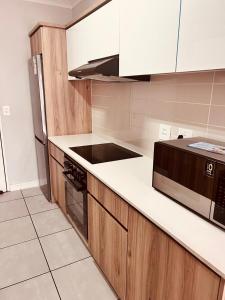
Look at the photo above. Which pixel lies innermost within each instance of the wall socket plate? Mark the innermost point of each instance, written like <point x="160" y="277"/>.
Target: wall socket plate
<point x="187" y="133"/>
<point x="164" y="132"/>
<point x="6" y="110"/>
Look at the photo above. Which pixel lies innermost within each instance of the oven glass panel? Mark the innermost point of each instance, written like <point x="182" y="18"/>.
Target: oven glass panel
<point x="76" y="204"/>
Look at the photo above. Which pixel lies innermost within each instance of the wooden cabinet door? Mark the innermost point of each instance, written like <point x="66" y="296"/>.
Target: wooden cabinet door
<point x="148" y="36"/>
<point x="57" y="183"/>
<point x="202" y="35"/>
<point x="107" y="241"/>
<point x="160" y="269"/>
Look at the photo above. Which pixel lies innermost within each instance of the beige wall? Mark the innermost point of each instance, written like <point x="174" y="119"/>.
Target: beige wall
<point x="17" y="17"/>
<point x="133" y="111"/>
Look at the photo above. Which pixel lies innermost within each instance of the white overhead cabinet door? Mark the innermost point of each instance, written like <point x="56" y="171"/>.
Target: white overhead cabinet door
<point x="148" y="36"/>
<point x="202" y="35"/>
<point x="77" y="51"/>
<point x="103" y="38"/>
<point x="96" y="36"/>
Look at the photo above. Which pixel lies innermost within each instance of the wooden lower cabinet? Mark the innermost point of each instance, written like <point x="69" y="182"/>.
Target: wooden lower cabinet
<point x="108" y="199"/>
<point x="57" y="183"/>
<point x="107" y="241"/>
<point x="160" y="269"/>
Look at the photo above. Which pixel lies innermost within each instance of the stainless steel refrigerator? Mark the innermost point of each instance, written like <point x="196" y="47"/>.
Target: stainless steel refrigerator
<point x="40" y="124"/>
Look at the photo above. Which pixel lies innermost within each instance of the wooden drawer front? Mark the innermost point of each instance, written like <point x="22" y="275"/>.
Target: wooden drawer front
<point x="57" y="183"/>
<point x="107" y="241"/>
<point x="113" y="203"/>
<point x="160" y="269"/>
<point x="56" y="153"/>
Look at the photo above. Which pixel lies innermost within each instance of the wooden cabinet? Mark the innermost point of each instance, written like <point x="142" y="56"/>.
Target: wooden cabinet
<point x="107" y="241"/>
<point x="36" y="42"/>
<point x="56" y="153"/>
<point x="94" y="37"/>
<point x="57" y="183"/>
<point x="68" y="105"/>
<point x="112" y="202"/>
<point x="56" y="162"/>
<point x="202" y="35"/>
<point x="158" y="268"/>
<point x="148" y="36"/>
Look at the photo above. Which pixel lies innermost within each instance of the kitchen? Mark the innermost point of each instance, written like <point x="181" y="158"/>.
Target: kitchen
<point x="120" y="93"/>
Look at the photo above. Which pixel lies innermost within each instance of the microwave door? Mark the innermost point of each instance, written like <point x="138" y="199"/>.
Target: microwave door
<point x="38" y="98"/>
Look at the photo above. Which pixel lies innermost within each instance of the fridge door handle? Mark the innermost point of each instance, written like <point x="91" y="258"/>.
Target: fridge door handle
<point x="42" y="97"/>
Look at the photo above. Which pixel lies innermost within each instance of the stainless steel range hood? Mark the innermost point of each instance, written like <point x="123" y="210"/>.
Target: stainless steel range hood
<point x="105" y="69"/>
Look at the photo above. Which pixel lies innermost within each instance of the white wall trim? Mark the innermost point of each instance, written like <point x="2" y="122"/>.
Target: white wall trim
<point x="25" y="185"/>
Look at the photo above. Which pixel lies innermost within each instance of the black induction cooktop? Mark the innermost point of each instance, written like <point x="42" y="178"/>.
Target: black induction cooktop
<point x="101" y="153"/>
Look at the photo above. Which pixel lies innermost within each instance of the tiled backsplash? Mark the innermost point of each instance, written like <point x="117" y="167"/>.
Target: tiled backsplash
<point x="132" y="112"/>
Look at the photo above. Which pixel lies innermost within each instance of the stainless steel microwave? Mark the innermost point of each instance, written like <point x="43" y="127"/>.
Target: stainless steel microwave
<point x="193" y="177"/>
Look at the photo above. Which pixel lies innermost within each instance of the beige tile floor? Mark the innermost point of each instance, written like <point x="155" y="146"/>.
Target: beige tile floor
<point x="41" y="256"/>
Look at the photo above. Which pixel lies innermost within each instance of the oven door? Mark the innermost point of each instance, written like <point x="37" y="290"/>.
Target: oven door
<point x="76" y="205"/>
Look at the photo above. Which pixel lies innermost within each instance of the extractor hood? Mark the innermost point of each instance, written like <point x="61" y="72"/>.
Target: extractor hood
<point x="105" y="69"/>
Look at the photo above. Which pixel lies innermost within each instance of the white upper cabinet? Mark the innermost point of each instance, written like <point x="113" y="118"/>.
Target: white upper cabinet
<point x="77" y="51"/>
<point x="96" y="36"/>
<point x="202" y="35"/>
<point x="148" y="36"/>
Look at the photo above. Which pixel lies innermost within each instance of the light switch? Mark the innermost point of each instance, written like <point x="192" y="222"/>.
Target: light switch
<point x="6" y="110"/>
<point x="164" y="132"/>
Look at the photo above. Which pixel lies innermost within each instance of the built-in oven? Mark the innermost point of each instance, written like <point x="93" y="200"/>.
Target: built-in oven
<point x="76" y="194"/>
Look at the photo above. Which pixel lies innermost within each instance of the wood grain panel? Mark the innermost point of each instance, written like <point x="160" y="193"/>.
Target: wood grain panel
<point x="68" y="105"/>
<point x="36" y="42"/>
<point x="78" y="108"/>
<point x="108" y="244"/>
<point x="57" y="183"/>
<point x="112" y="202"/>
<point x="221" y="295"/>
<point x="56" y="153"/>
<point x="44" y="24"/>
<point x="158" y="268"/>
<point x="55" y="77"/>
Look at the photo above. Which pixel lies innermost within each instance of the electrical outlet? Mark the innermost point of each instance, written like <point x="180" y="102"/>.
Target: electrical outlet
<point x="187" y="133"/>
<point x="164" y="132"/>
<point x="6" y="110"/>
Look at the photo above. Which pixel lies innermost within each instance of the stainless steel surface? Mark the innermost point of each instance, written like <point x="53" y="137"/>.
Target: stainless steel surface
<point x="212" y="214"/>
<point x="43" y="168"/>
<point x="38" y="98"/>
<point x="193" y="200"/>
<point x="39" y="120"/>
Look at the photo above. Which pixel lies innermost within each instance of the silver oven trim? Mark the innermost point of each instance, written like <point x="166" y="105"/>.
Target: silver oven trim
<point x="180" y="193"/>
<point x="211" y="216"/>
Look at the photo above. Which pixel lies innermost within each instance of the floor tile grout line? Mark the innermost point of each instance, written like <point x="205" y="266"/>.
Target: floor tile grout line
<point x="2" y="248"/>
<point x="19" y="282"/>
<point x="5" y="201"/>
<point x="40" y="212"/>
<point x="46" y="235"/>
<point x="72" y="263"/>
<point x="25" y="197"/>
<point x="15" y="218"/>
<point x="44" y="254"/>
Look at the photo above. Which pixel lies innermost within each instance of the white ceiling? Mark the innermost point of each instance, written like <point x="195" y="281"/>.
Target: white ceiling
<point x="60" y="3"/>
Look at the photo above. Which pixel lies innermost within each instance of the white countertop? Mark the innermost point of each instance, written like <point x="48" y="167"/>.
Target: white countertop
<point x="131" y="179"/>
